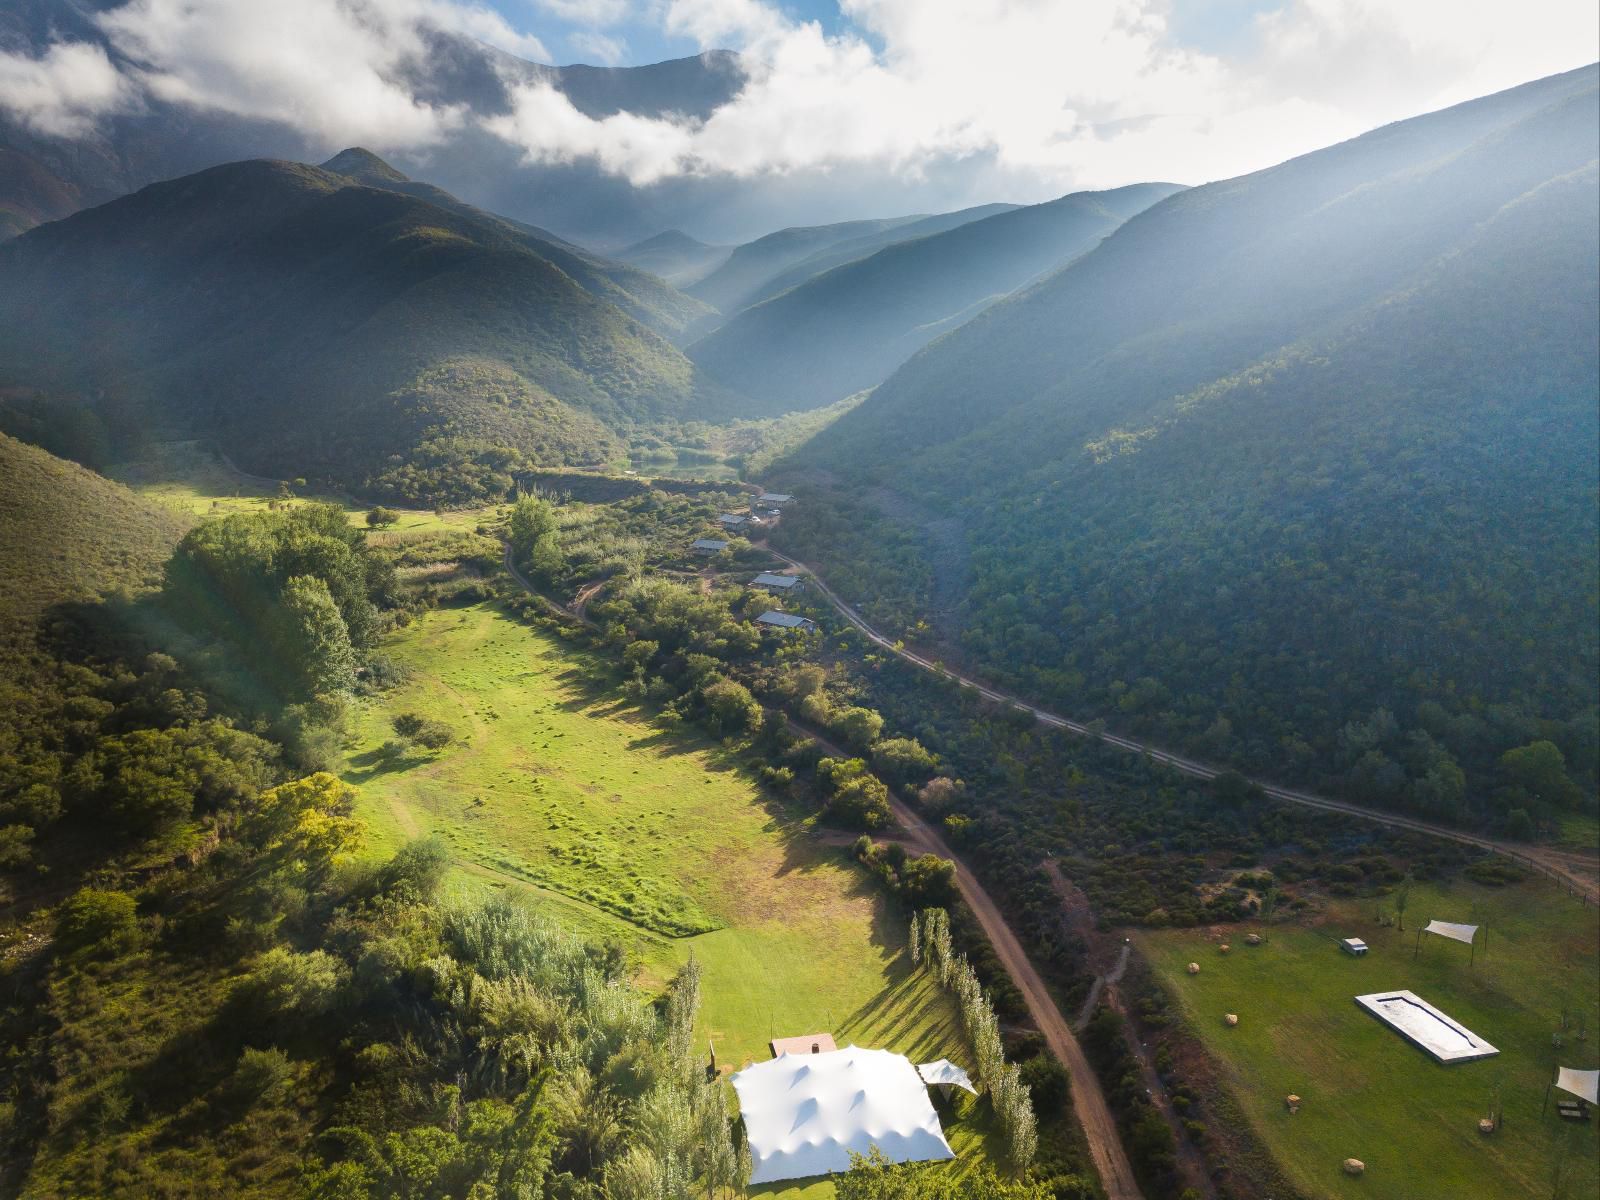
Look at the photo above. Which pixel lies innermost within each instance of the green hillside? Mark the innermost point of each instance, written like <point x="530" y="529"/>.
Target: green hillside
<point x="675" y="257"/>
<point x="1296" y="471"/>
<point x="70" y="534"/>
<point x="325" y="329"/>
<point x="849" y="327"/>
<point x="752" y="264"/>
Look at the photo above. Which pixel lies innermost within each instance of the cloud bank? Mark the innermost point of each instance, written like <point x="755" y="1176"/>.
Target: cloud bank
<point x="1045" y="95"/>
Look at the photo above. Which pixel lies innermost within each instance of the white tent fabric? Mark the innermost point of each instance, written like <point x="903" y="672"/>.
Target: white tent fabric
<point x="945" y="1072"/>
<point x="1583" y="1084"/>
<point x="1461" y="933"/>
<point x="805" y="1113"/>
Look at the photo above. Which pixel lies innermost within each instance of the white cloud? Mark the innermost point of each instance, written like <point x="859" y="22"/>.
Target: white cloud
<point x="64" y="91"/>
<point x="335" y="69"/>
<point x="1057" y="95"/>
<point x="598" y="47"/>
<point x="590" y="13"/>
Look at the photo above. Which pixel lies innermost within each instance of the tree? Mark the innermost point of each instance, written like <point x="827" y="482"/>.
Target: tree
<point x="1402" y="899"/>
<point x="313" y="640"/>
<point x="382" y="518"/>
<point x="730" y="706"/>
<point x="859" y="727"/>
<point x="95" y="919"/>
<point x="533" y="534"/>
<point x="874" y="1177"/>
<point x="1540" y="770"/>
<point x="306" y="821"/>
<point x="903" y="759"/>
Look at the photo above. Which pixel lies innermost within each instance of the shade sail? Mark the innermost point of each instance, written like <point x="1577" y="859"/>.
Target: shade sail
<point x="805" y="1113"/>
<point x="1461" y="933"/>
<point x="945" y="1072"/>
<point x="1583" y="1084"/>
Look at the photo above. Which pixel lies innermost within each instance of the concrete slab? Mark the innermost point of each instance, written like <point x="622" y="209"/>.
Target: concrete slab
<point x="1420" y="1023"/>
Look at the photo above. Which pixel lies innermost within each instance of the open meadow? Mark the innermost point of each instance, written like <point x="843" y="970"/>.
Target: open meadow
<point x="654" y="836"/>
<point x="1367" y="1092"/>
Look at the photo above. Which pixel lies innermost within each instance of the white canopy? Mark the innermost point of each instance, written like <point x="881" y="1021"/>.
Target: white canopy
<point x="805" y="1113"/>
<point x="1583" y="1084"/>
<point x="946" y="1072"/>
<point x="1461" y="933"/>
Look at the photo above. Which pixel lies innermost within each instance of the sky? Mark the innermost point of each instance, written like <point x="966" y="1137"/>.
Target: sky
<point x="1033" y="97"/>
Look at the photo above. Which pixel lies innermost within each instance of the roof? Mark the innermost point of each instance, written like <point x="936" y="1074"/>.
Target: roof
<point x="783" y="620"/>
<point x="805" y="1113"/>
<point x="775" y="497"/>
<point x="1461" y="933"/>
<point x="734" y="519"/>
<point x="768" y="579"/>
<point x="1583" y="1084"/>
<point x="945" y="1072"/>
<point x="1354" y="942"/>
<point x="803" y="1044"/>
<point x="708" y="544"/>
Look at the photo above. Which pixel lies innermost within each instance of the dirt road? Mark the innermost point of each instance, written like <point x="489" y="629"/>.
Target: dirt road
<point x="1089" y="1101"/>
<point x="1578" y="873"/>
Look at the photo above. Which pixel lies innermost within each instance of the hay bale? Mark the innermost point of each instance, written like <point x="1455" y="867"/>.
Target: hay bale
<point x="1193" y="968"/>
<point x="1486" y="1125"/>
<point x="1292" y="1103"/>
<point x="1252" y="939"/>
<point x="1231" y="1019"/>
<point x="1354" y="1166"/>
<point x="1224" y="948"/>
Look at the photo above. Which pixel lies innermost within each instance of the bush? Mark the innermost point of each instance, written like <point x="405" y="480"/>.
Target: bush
<point x="95" y="920"/>
<point x="287" y="984"/>
<point x="260" y="1075"/>
<point x="730" y="707"/>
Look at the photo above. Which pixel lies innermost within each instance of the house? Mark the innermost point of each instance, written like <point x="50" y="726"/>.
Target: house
<point x="735" y="522"/>
<point x="782" y="620"/>
<point x="708" y="546"/>
<point x="780" y="584"/>
<point x="1353" y="946"/>
<point x="774" y="499"/>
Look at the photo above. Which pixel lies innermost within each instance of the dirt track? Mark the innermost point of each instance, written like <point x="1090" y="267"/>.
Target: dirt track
<point x="1088" y="1100"/>
<point x="1578" y="873"/>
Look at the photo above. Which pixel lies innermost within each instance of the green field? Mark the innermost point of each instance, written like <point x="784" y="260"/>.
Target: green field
<point x="630" y="830"/>
<point x="1367" y="1092"/>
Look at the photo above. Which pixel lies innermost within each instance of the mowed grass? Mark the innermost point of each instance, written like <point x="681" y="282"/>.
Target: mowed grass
<point x="1367" y="1092"/>
<point x="628" y="830"/>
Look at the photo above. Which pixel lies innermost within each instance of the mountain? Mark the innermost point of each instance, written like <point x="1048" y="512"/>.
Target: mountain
<point x="1296" y="470"/>
<point x="638" y="293"/>
<point x="855" y="248"/>
<point x="847" y="328"/>
<point x="751" y="265"/>
<point x="320" y="326"/>
<point x="675" y="257"/>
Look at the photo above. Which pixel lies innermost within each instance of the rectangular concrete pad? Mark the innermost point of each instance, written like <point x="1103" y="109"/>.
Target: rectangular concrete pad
<point x="1420" y="1023"/>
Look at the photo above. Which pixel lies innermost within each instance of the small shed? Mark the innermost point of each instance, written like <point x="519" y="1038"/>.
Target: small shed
<point x="786" y="621"/>
<point x="1354" y="947"/>
<point x="780" y="584"/>
<point x="708" y="545"/>
<point x="809" y="1043"/>
<point x="734" y="522"/>
<point x="774" y="499"/>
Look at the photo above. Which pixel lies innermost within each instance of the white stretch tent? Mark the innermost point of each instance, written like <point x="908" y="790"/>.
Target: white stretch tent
<point x="1461" y="933"/>
<point x="947" y="1073"/>
<point x="1583" y="1084"/>
<point x="805" y="1113"/>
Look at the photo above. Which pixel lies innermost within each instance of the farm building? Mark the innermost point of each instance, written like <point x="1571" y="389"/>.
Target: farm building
<point x="805" y="1114"/>
<point x="777" y="583"/>
<point x="1353" y="946"/>
<point x="774" y="499"/>
<point x="782" y="620"/>
<point x="708" y="546"/>
<point x="734" y="522"/>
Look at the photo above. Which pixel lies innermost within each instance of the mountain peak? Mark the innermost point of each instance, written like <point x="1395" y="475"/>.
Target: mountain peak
<point x="357" y="162"/>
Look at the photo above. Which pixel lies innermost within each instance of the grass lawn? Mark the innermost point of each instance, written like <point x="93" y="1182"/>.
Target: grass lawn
<point x="656" y="836"/>
<point x="1369" y="1094"/>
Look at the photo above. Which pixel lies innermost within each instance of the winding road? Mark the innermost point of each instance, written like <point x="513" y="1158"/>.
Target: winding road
<point x="1579" y="874"/>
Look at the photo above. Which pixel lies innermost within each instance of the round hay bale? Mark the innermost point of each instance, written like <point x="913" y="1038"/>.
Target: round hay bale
<point x="1224" y="947"/>
<point x="1231" y="1019"/>
<point x="1252" y="939"/>
<point x="1486" y="1125"/>
<point x="1354" y="1166"/>
<point x="1193" y="968"/>
<point x="1292" y="1103"/>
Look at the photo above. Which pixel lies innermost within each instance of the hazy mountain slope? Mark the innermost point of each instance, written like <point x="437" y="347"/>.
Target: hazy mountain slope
<point x="752" y="264"/>
<point x="321" y="327"/>
<point x="675" y="257"/>
<point x="1292" y="449"/>
<point x="638" y="293"/>
<point x="70" y="534"/>
<point x="860" y="247"/>
<point x="849" y="327"/>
